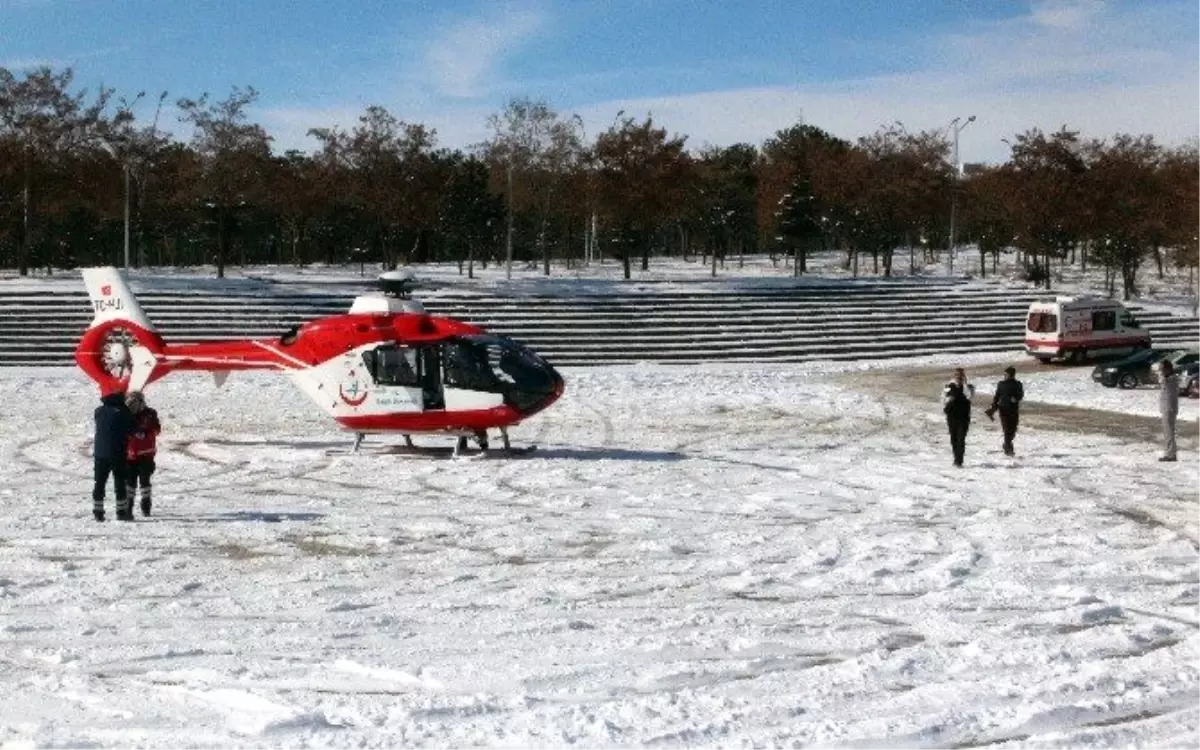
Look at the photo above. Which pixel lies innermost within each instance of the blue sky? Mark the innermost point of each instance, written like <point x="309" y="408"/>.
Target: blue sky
<point x="719" y="72"/>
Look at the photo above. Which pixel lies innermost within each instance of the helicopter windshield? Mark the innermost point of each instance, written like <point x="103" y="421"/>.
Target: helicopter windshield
<point x="499" y="365"/>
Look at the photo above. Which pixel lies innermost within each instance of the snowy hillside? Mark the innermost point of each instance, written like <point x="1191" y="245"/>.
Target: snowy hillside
<point x="722" y="556"/>
<point x="1176" y="290"/>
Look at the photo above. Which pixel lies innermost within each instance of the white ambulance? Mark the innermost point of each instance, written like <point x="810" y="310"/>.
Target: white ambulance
<point x="1075" y="328"/>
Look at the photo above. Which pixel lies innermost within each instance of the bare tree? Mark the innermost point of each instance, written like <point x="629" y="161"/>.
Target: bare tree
<point x="642" y="176"/>
<point x="385" y="165"/>
<point x="133" y="149"/>
<point x="536" y="150"/>
<point x="1048" y="209"/>
<point x="1124" y="190"/>
<point x="907" y="174"/>
<point x="46" y="122"/>
<point x="234" y="153"/>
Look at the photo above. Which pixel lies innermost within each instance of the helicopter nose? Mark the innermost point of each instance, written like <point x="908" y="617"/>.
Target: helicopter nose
<point x="551" y="391"/>
<point x="559" y="387"/>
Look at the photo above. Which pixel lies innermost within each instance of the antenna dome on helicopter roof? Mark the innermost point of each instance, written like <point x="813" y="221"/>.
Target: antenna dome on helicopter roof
<point x="398" y="283"/>
<point x="400" y="274"/>
<point x="395" y="297"/>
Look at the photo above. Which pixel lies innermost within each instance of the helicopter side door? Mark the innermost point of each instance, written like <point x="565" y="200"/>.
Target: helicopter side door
<point x="395" y="370"/>
<point x="469" y="380"/>
<point x="429" y="359"/>
<point x="407" y="378"/>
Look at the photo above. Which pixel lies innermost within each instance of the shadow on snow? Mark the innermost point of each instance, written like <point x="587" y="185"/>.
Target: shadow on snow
<point x="241" y="516"/>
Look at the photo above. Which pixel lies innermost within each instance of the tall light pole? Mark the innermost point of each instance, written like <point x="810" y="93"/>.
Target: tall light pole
<point x="126" y="215"/>
<point x="957" y="128"/>
<point x="509" y="239"/>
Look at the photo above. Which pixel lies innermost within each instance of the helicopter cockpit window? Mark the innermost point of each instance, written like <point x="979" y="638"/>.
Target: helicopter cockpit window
<point x="496" y="364"/>
<point x="392" y="365"/>
<point x="466" y="366"/>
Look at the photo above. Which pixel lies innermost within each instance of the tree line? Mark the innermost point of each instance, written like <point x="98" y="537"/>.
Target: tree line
<point x="82" y="178"/>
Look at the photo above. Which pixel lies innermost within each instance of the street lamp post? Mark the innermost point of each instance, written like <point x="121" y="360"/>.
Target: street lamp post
<point x="954" y="124"/>
<point x="1191" y="269"/>
<point x="126" y="215"/>
<point x="508" y="252"/>
<point x="587" y="189"/>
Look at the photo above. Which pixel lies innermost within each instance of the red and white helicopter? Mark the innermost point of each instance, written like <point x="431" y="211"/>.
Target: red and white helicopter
<point x="385" y="367"/>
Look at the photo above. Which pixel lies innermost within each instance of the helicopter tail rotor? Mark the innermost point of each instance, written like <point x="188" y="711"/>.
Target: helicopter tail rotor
<point x="120" y="349"/>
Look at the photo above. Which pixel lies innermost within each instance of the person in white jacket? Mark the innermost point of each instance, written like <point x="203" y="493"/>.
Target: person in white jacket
<point x="1168" y="407"/>
<point x="956" y="404"/>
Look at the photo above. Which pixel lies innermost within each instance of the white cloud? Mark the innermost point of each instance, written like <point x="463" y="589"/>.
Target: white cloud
<point x="459" y="126"/>
<point x="861" y="108"/>
<point x="1083" y="65"/>
<point x="463" y="59"/>
<point x="460" y="67"/>
<point x="288" y="126"/>
<point x="1046" y="69"/>
<point x="1065" y="14"/>
<point x="29" y="63"/>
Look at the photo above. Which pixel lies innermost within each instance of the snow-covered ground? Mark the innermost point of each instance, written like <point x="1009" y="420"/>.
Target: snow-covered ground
<point x="1175" y="292"/>
<point x="671" y="274"/>
<point x="722" y="556"/>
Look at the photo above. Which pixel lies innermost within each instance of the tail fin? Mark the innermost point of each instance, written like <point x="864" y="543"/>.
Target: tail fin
<point x="120" y="349"/>
<point x="112" y="299"/>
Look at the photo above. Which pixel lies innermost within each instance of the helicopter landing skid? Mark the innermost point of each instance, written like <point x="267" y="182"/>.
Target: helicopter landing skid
<point x="460" y="450"/>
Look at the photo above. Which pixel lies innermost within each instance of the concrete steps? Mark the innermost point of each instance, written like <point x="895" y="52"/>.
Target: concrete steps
<point x="833" y="321"/>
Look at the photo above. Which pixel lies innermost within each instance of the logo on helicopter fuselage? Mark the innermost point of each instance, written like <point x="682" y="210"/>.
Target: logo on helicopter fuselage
<point x="354" y="394"/>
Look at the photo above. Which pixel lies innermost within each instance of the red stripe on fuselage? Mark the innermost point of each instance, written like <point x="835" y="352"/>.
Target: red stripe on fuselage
<point x="315" y="342"/>
<point x="441" y="420"/>
<point x="1087" y="343"/>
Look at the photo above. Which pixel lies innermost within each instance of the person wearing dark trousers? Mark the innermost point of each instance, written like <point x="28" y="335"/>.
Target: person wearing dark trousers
<point x="1007" y="401"/>
<point x="956" y="404"/>
<point x="113" y="424"/>
<point x="139" y="453"/>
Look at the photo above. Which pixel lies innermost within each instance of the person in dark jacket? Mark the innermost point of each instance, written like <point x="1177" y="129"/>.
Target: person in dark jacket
<point x="1007" y="401"/>
<point x="113" y="425"/>
<point x="139" y="453"/>
<point x="956" y="404"/>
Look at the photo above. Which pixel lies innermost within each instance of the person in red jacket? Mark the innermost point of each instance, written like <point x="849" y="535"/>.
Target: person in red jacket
<point x="141" y="447"/>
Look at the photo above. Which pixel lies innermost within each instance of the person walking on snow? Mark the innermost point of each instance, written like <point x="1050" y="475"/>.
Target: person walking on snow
<point x="1168" y="407"/>
<point x="1007" y="401"/>
<point x="113" y="424"/>
<point x="956" y="404"/>
<point x="141" y="448"/>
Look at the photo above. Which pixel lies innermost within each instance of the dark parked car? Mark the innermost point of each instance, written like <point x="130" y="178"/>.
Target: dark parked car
<point x="1187" y="366"/>
<point x="1189" y="381"/>
<point x="1138" y="368"/>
